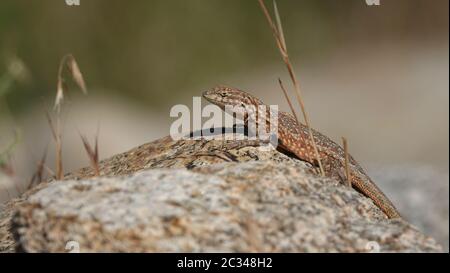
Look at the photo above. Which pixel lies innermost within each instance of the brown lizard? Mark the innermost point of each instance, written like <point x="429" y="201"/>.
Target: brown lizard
<point x="294" y="138"/>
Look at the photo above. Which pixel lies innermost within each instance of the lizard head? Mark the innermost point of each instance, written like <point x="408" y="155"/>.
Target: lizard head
<point x="223" y="95"/>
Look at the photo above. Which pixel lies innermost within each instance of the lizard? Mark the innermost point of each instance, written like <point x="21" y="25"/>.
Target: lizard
<point x="294" y="138"/>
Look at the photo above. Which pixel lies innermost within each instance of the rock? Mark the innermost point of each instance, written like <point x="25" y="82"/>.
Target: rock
<point x="162" y="153"/>
<point x="203" y="196"/>
<point x="421" y="193"/>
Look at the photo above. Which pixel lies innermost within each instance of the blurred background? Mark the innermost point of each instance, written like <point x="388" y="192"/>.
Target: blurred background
<point x="375" y="74"/>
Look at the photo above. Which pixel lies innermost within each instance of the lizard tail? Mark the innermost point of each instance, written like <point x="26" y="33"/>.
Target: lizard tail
<point x="370" y="189"/>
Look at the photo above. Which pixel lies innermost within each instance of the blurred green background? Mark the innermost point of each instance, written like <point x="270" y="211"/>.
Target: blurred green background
<point x="377" y="75"/>
<point x="145" y="50"/>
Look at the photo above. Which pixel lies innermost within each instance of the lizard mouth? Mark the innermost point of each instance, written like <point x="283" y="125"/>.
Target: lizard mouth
<point x="207" y="95"/>
<point x="212" y="97"/>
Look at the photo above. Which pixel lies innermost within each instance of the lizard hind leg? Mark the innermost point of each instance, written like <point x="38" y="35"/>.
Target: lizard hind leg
<point x="339" y="174"/>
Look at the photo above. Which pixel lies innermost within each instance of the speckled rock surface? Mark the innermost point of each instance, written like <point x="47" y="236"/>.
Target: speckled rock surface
<point x="202" y="196"/>
<point x="252" y="206"/>
<point x="161" y="153"/>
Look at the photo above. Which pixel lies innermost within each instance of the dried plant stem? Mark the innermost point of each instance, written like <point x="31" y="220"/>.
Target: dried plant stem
<point x="92" y="153"/>
<point x="288" y="100"/>
<point x="71" y="64"/>
<point x="347" y="169"/>
<point x="290" y="104"/>
<point x="279" y="38"/>
<point x="38" y="175"/>
<point x="49" y="171"/>
<point x="56" y="133"/>
<point x="59" y="166"/>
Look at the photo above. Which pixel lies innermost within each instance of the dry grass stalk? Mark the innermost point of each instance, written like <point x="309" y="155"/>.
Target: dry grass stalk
<point x="49" y="171"/>
<point x="72" y="66"/>
<point x="288" y="100"/>
<point x="56" y="133"/>
<point x="279" y="38"/>
<point x="347" y="168"/>
<point x="38" y="175"/>
<point x="92" y="153"/>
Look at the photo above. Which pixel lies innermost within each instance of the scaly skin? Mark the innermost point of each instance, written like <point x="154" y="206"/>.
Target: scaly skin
<point x="294" y="138"/>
